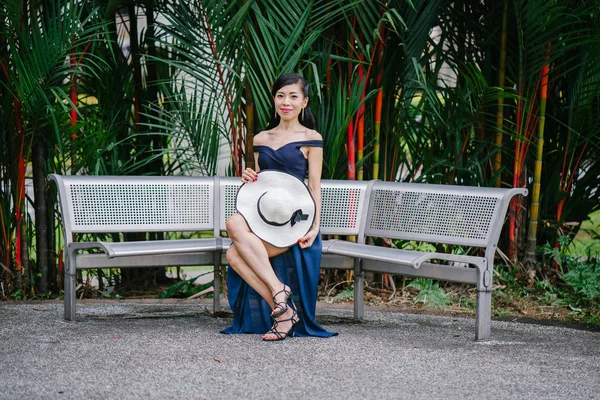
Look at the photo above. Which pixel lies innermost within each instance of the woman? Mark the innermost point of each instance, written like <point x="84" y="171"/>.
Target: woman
<point x="262" y="277"/>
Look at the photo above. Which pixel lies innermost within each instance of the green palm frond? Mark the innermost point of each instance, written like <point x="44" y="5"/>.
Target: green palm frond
<point x="180" y="119"/>
<point x="39" y="68"/>
<point x="227" y="46"/>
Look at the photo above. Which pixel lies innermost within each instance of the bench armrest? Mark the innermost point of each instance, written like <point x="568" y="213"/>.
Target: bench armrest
<point x="75" y="247"/>
<point x="393" y="255"/>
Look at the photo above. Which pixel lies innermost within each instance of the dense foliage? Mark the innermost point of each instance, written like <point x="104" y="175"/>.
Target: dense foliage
<point x="456" y="92"/>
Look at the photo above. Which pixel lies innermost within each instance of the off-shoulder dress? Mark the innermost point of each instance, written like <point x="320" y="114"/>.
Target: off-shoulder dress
<point x="298" y="268"/>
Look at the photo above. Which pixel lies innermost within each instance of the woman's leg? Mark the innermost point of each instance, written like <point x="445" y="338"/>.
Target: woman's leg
<point x="247" y="274"/>
<point x="255" y="254"/>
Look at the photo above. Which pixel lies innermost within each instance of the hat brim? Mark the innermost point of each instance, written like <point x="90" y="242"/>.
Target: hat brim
<point x="246" y="202"/>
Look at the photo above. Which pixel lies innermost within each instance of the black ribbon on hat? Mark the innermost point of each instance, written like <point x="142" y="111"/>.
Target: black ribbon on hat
<point x="297" y="216"/>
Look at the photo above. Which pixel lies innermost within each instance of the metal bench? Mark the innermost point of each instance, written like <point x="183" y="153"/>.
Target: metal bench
<point x="443" y="214"/>
<point x="434" y="213"/>
<point x="115" y="204"/>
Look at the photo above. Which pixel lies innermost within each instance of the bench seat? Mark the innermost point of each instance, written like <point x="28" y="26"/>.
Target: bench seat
<point x="392" y="255"/>
<point x="152" y="247"/>
<point x="93" y="261"/>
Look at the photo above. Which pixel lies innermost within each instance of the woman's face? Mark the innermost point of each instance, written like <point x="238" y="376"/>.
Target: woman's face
<point x="289" y="102"/>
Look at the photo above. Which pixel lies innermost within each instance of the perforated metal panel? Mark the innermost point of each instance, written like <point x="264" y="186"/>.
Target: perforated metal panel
<point x="342" y="204"/>
<point x="146" y="204"/>
<point x="442" y="214"/>
<point x="229" y="188"/>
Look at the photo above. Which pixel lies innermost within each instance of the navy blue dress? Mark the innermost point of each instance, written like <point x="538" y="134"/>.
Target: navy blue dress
<point x="298" y="268"/>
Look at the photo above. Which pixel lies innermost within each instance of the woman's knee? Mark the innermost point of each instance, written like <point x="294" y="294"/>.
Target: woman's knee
<point x="232" y="256"/>
<point x="235" y="224"/>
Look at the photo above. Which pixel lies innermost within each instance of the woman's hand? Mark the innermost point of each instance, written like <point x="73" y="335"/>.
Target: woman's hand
<point x="249" y="175"/>
<point x="307" y="240"/>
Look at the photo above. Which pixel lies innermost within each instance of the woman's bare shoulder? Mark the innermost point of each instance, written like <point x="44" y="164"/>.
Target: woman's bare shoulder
<point x="261" y="138"/>
<point x="313" y="135"/>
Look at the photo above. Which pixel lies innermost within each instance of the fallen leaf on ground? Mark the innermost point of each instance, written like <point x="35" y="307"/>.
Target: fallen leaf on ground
<point x="217" y="359"/>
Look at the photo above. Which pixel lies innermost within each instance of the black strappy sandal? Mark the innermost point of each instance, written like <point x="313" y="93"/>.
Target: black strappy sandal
<point x="282" y="335"/>
<point x="280" y="308"/>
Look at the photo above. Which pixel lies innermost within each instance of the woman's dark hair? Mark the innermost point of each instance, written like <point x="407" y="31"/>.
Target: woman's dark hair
<point x="291" y="79"/>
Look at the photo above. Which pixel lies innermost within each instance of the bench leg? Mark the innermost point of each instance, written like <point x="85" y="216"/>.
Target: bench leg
<point x="70" y="285"/>
<point x="70" y="297"/>
<point x="483" y="320"/>
<point x="359" y="291"/>
<point x="217" y="283"/>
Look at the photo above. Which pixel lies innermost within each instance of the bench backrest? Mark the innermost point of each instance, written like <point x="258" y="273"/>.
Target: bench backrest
<point x="471" y="216"/>
<point x="342" y="204"/>
<point x="228" y="187"/>
<point x="433" y="213"/>
<point x="95" y="204"/>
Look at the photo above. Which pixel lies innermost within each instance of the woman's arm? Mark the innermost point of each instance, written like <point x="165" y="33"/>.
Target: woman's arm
<point x="315" y="168"/>
<point x="256" y="167"/>
<point x="249" y="174"/>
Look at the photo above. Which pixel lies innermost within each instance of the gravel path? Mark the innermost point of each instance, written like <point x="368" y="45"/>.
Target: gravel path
<point x="125" y="350"/>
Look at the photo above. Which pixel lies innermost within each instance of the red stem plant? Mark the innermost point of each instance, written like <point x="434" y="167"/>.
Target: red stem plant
<point x="360" y="116"/>
<point x="73" y="96"/>
<point x="19" y="193"/>
<point x="530" y="249"/>
<point x="351" y="173"/>
<point x="500" y="108"/>
<point x="378" y="104"/>
<point x="523" y="136"/>
<point x="235" y="138"/>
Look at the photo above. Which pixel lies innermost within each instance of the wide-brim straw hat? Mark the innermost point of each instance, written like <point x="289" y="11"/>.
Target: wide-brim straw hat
<point x="278" y="207"/>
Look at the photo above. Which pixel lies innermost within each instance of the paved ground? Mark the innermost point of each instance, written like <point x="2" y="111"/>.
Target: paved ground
<point x="175" y="351"/>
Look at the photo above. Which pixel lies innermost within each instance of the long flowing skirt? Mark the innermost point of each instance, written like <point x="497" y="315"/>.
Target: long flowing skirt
<point x="299" y="269"/>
